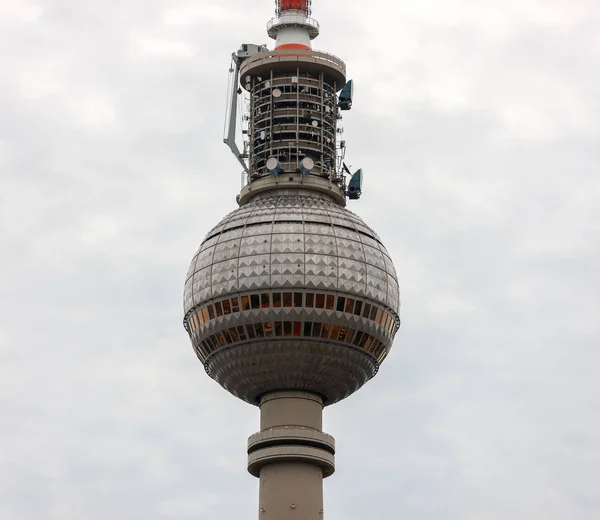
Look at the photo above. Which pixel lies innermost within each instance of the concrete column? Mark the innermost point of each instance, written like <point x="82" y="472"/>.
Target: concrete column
<point x="291" y="456"/>
<point x="291" y="409"/>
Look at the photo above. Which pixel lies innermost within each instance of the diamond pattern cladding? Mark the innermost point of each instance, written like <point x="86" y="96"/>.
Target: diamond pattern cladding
<point x="291" y="241"/>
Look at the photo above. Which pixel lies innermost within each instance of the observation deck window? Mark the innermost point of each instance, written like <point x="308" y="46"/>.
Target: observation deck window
<point x="268" y="328"/>
<point x="316" y="331"/>
<point x="251" y="331"/>
<point x="330" y="302"/>
<point x="320" y="301"/>
<point x="385" y="319"/>
<point x="358" y="307"/>
<point x="287" y="299"/>
<point x="287" y="328"/>
<point x="277" y="328"/>
<point x="366" y="310"/>
<point x="241" y="332"/>
<point x="307" y="328"/>
<point x="357" y="338"/>
<point x="349" y="305"/>
<point x="264" y="300"/>
<point x="245" y="303"/>
<point x="335" y="331"/>
<point x="298" y="299"/>
<point x="350" y="335"/>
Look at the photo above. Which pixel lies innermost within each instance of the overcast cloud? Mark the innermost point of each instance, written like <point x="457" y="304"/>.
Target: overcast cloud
<point x="477" y="123"/>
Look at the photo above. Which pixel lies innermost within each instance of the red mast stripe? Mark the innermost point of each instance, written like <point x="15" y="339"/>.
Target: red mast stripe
<point x="292" y="46"/>
<point x="293" y="5"/>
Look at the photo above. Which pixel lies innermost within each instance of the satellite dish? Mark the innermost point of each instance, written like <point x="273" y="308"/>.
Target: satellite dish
<point x="315" y="123"/>
<point x="276" y="92"/>
<point x="306" y="165"/>
<point x="273" y="165"/>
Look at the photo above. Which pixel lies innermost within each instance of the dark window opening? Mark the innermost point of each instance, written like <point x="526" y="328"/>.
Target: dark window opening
<point x="367" y="310"/>
<point x="330" y="302"/>
<point x="297" y="328"/>
<point x="258" y="327"/>
<point x="241" y="332"/>
<point x="307" y="328"/>
<point x="316" y="331"/>
<point x="373" y="313"/>
<point x="287" y="299"/>
<point x="349" y="305"/>
<point x="320" y="301"/>
<point x="251" y="331"/>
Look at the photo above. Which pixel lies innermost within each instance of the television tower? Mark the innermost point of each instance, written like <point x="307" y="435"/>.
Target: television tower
<point x="291" y="301"/>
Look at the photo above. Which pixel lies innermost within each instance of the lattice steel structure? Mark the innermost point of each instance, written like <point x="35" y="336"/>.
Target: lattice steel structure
<point x="291" y="302"/>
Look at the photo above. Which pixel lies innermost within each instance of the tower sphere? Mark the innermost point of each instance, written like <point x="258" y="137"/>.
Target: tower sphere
<point x="291" y="291"/>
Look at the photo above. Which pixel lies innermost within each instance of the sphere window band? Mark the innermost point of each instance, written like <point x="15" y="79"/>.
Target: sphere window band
<point x="270" y="329"/>
<point x="296" y="299"/>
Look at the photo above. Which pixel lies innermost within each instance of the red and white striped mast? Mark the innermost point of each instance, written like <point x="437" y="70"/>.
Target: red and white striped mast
<point x="293" y="27"/>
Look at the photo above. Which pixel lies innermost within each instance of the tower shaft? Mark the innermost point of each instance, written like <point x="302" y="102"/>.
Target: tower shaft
<point x="291" y="455"/>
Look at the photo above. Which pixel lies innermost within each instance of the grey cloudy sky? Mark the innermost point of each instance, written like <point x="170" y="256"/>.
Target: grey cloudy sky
<point x="477" y="123"/>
